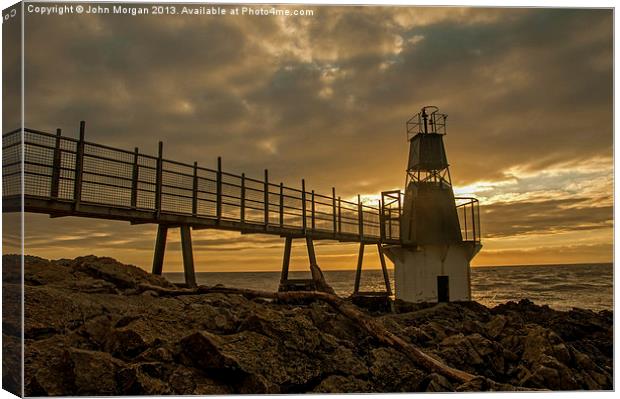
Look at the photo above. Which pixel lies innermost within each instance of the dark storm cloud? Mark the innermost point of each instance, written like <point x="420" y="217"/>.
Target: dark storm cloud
<point x="552" y="216"/>
<point x="326" y="97"/>
<point x="535" y="83"/>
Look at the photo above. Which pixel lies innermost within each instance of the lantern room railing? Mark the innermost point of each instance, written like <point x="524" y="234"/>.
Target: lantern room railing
<point x="468" y="210"/>
<point x="435" y="122"/>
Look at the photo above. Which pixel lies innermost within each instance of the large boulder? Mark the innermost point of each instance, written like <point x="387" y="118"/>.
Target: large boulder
<point x="121" y="275"/>
<point x="95" y="373"/>
<point x="251" y="357"/>
<point x="391" y="371"/>
<point x="143" y="379"/>
<point x="342" y="384"/>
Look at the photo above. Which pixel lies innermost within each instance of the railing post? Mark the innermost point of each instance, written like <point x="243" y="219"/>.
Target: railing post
<point x="360" y="217"/>
<point x="218" y="185"/>
<point x="465" y="220"/>
<point x="159" y="178"/>
<point x="79" y="167"/>
<point x="56" y="166"/>
<point x="134" y="180"/>
<point x="281" y="204"/>
<point x="339" y="215"/>
<point x="242" y="199"/>
<point x="389" y="225"/>
<point x="195" y="190"/>
<point x="266" y="198"/>
<point x="381" y="222"/>
<point x="303" y="205"/>
<point x="313" y="207"/>
<point x="477" y="205"/>
<point x="334" y="215"/>
<point x="473" y="222"/>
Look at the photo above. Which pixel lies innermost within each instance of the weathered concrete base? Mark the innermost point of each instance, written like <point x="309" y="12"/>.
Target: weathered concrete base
<point x="416" y="271"/>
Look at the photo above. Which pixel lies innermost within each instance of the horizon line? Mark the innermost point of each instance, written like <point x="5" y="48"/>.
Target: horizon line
<point x="391" y="268"/>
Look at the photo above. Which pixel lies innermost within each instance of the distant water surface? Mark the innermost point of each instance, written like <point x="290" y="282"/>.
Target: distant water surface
<point x="559" y="286"/>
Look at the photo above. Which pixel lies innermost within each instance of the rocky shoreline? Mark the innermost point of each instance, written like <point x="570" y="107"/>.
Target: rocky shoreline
<point x="90" y="331"/>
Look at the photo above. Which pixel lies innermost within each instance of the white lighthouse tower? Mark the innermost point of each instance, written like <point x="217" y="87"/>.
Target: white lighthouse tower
<point x="439" y="233"/>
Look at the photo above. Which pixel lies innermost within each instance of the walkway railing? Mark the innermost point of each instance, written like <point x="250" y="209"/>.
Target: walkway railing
<point x="62" y="169"/>
<point x="65" y="176"/>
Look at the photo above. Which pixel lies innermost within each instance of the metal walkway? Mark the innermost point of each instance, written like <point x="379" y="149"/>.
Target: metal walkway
<point x="64" y="176"/>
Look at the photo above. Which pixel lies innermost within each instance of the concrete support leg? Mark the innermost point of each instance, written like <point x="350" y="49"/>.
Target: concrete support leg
<point x="188" y="256"/>
<point x="386" y="277"/>
<point x="160" y="249"/>
<point x="286" y="261"/>
<point x="358" y="272"/>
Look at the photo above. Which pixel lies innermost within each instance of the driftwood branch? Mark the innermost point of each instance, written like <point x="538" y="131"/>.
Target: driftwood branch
<point x="351" y="312"/>
<point x="348" y="310"/>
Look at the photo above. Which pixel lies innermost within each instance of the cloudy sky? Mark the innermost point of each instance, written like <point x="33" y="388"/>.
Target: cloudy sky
<point x="325" y="97"/>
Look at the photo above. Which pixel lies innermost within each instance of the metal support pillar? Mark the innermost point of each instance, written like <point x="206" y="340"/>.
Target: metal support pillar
<point x="135" y="175"/>
<point x="159" y="173"/>
<point x="57" y="163"/>
<point x="286" y="261"/>
<point x="315" y="272"/>
<point x="188" y="256"/>
<point x="358" y="272"/>
<point x="311" y="253"/>
<point x="160" y="248"/>
<point x="317" y="275"/>
<point x="386" y="277"/>
<point x="317" y="282"/>
<point x="79" y="168"/>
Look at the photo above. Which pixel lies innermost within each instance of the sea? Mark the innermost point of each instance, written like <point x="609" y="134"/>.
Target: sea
<point x="562" y="287"/>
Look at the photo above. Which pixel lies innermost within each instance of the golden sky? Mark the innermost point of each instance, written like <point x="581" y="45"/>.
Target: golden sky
<point x="528" y="93"/>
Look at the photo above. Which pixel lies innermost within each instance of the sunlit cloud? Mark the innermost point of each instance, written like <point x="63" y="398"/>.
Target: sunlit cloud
<point x="528" y="93"/>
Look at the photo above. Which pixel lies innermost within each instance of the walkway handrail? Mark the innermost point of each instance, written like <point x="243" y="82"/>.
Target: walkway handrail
<point x="57" y="167"/>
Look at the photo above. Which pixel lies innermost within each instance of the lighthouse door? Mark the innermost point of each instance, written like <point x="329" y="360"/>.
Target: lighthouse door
<point x="443" y="289"/>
